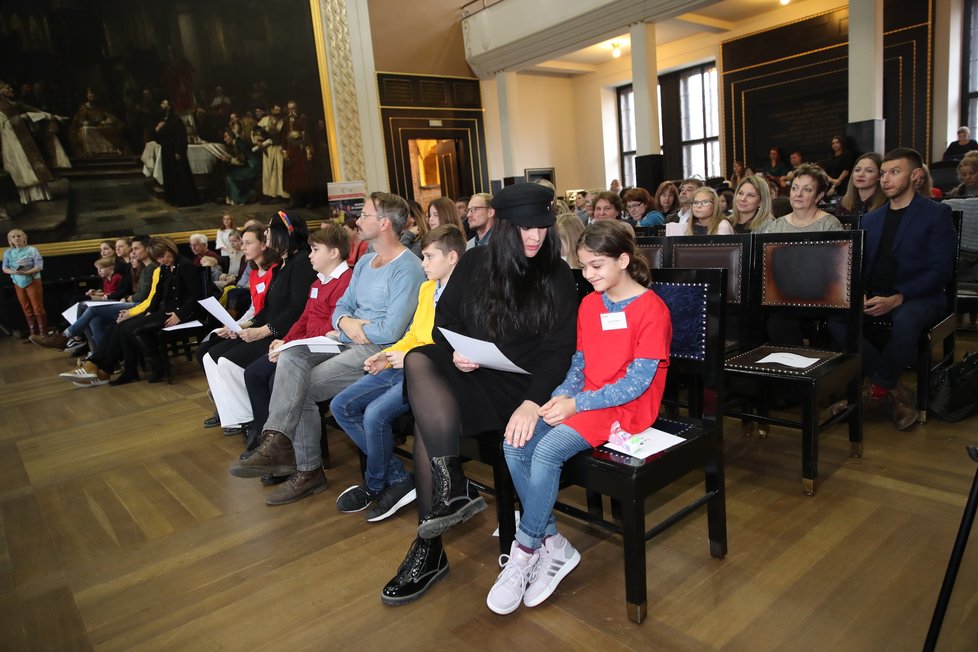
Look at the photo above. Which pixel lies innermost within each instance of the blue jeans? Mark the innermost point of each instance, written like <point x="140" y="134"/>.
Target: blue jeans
<point x="96" y="318"/>
<point x="536" y="475"/>
<point x="365" y="410"/>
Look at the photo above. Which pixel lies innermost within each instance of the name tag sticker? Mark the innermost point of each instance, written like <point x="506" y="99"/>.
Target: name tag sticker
<point x="260" y="288"/>
<point x="613" y="321"/>
<point x="314" y="293"/>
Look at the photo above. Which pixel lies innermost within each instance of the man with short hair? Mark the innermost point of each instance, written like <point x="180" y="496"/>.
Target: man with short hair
<point x="373" y="313"/>
<point x="907" y="262"/>
<point x="198" y="245"/>
<point x="481" y="217"/>
<point x="579" y="208"/>
<point x="686" y="190"/>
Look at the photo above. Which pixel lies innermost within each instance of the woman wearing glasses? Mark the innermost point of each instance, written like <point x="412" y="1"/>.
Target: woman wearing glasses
<point x="641" y="208"/>
<point x="706" y="218"/>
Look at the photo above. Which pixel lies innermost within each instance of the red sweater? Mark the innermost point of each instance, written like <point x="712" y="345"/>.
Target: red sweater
<point x="111" y="284"/>
<point x="258" y="285"/>
<point x="317" y="316"/>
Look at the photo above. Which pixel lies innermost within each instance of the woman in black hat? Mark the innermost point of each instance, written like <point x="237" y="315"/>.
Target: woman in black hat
<point x="517" y="293"/>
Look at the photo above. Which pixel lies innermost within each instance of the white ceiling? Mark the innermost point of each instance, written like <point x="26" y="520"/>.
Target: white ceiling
<point x="718" y="17"/>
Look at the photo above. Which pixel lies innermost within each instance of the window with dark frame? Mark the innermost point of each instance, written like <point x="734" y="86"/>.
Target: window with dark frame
<point x="969" y="71"/>
<point x="626" y="135"/>
<point x="700" y="120"/>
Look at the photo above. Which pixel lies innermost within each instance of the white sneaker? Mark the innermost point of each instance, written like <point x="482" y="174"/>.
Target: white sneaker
<point x="79" y="373"/>
<point x="96" y="382"/>
<point x="557" y="558"/>
<point x="507" y="593"/>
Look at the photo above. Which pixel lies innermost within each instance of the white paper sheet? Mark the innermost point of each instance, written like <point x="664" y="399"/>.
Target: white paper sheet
<point x="214" y="307"/>
<point x="789" y="360"/>
<point x="648" y="442"/>
<point x="182" y="325"/>
<point x="321" y="344"/>
<point x="71" y="314"/>
<point x="485" y="354"/>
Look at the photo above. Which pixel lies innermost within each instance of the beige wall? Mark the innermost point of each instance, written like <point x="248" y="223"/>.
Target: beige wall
<point x="418" y="37"/>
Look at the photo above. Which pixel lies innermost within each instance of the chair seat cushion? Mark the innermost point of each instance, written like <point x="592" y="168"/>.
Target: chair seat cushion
<point x="748" y="361"/>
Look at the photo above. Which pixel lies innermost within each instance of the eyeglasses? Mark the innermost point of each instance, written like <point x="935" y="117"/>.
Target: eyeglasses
<point x="472" y="209"/>
<point x="634" y="204"/>
<point x="702" y="202"/>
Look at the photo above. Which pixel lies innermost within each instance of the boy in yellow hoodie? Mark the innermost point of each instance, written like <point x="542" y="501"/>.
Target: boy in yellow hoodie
<point x="365" y="409"/>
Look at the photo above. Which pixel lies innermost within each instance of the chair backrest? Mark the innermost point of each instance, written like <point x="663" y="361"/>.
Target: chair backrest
<point x="696" y="299"/>
<point x="654" y="250"/>
<point x="817" y="275"/>
<point x="729" y="252"/>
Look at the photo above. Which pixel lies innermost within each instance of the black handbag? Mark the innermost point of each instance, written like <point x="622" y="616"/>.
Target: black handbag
<point x="954" y="390"/>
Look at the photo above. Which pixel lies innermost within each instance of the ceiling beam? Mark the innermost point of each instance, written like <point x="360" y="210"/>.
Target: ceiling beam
<point x="708" y="24"/>
<point x="566" y="67"/>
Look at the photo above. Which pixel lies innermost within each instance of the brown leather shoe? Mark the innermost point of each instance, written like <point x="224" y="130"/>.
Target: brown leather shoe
<point x="57" y="341"/>
<point x="299" y="485"/>
<point x="870" y="402"/>
<point x="275" y="455"/>
<point x="902" y="402"/>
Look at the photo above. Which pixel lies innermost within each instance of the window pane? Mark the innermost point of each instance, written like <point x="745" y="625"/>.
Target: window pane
<point x="711" y="104"/>
<point x="626" y="105"/>
<point x="713" y="158"/>
<point x="972" y="55"/>
<point x="691" y="105"/>
<point x="628" y="173"/>
<point x="694" y="160"/>
<point x="972" y="113"/>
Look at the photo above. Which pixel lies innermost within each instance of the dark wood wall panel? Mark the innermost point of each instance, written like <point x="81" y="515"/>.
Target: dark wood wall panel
<point x="788" y="86"/>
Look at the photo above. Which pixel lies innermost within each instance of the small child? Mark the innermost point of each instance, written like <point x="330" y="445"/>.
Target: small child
<point x="24" y="265"/>
<point x="111" y="279"/>
<point x="617" y="376"/>
<point x="365" y="409"/>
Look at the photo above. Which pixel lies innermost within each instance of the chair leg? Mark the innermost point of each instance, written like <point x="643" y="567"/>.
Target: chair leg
<point x="924" y="361"/>
<point x="716" y="509"/>
<point x="809" y="444"/>
<point x="633" y="541"/>
<point x="855" y="419"/>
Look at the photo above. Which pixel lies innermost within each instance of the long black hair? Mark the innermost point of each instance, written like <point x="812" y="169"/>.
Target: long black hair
<point x="518" y="293"/>
<point x="288" y="234"/>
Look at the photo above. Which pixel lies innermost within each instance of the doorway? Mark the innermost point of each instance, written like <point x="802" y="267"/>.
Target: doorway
<point x="436" y="169"/>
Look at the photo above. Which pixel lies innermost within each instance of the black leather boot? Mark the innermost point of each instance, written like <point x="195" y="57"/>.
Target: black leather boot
<point x="455" y="499"/>
<point x="424" y="565"/>
<point x="151" y="354"/>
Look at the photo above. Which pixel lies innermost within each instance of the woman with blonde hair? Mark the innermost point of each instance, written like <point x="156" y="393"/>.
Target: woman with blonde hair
<point x="569" y="228"/>
<point x="706" y="218"/>
<point x="751" y="205"/>
<point x="24" y="264"/>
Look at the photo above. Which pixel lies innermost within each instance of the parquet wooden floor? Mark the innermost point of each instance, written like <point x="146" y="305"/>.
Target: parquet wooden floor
<point x="120" y="529"/>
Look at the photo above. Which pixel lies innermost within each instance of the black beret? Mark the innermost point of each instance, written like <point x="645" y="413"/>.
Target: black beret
<point x="525" y="204"/>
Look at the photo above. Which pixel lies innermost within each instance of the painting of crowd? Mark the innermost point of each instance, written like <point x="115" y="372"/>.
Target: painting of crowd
<point x="79" y="82"/>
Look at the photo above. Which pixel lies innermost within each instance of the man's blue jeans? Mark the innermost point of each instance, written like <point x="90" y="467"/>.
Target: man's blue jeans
<point x="365" y="410"/>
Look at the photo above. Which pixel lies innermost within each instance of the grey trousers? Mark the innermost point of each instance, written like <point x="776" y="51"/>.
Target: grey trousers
<point x="302" y="379"/>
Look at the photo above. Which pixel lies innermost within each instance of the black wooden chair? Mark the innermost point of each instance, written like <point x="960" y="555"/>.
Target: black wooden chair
<point x="696" y="304"/>
<point x="729" y="252"/>
<point x="654" y="250"/>
<point x="814" y="277"/>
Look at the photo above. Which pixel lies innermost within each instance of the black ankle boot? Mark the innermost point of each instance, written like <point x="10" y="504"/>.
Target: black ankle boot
<point x="156" y="374"/>
<point x="455" y="500"/>
<point x="127" y="376"/>
<point x="424" y="565"/>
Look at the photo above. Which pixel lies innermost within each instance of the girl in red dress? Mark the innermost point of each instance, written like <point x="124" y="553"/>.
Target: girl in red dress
<point x="617" y="376"/>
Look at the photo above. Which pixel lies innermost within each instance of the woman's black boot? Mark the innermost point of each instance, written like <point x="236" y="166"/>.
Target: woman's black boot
<point x="456" y="500"/>
<point x="424" y="565"/>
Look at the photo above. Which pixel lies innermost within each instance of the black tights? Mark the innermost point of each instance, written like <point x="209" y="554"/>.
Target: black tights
<point x="436" y="418"/>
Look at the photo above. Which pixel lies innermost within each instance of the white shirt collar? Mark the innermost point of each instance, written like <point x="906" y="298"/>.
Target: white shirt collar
<point x="335" y="274"/>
